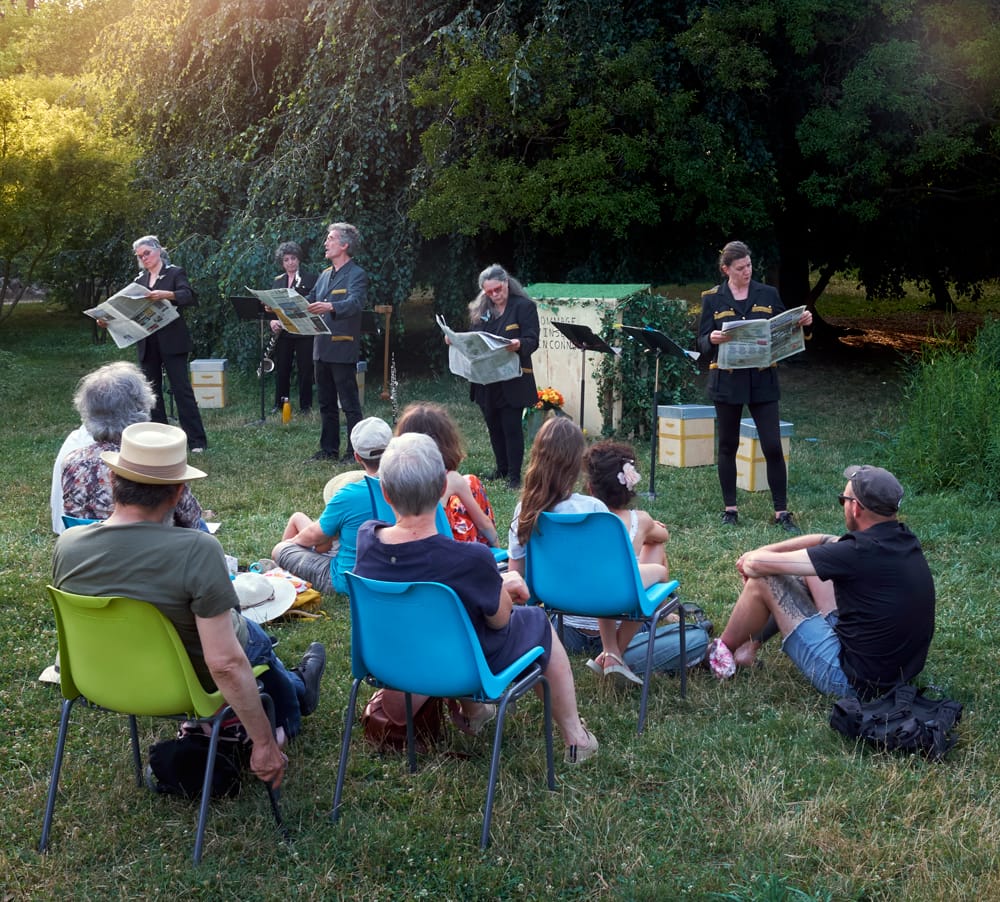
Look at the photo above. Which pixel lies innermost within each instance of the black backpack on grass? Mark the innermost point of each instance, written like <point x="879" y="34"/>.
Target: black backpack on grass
<point x="903" y="719"/>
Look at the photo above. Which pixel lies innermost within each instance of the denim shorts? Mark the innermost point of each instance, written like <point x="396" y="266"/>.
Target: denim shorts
<point x="814" y="647"/>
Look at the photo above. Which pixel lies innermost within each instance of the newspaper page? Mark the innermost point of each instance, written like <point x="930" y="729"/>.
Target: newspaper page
<point x="758" y="343"/>
<point x="292" y="309"/>
<point x="480" y="357"/>
<point x="131" y="316"/>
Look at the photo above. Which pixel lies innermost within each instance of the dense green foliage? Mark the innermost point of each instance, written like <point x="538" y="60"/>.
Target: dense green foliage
<point x="950" y="435"/>
<point x="632" y="375"/>
<point x="572" y="142"/>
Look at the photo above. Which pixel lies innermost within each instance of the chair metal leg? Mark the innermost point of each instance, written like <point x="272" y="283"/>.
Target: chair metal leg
<point x="491" y="784"/>
<point x="133" y="731"/>
<point x="345" y="747"/>
<point x="50" y="803"/>
<point x="684" y="659"/>
<point x="647" y="676"/>
<point x="206" y="786"/>
<point x="411" y="739"/>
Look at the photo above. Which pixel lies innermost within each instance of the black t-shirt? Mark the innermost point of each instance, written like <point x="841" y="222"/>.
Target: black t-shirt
<point x="885" y="602"/>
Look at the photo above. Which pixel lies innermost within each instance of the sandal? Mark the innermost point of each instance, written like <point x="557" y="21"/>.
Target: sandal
<point x="472" y="726"/>
<point x="619" y="672"/>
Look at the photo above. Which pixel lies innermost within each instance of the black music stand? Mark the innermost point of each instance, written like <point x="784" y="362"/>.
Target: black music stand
<point x="659" y="344"/>
<point x="583" y="339"/>
<point x="250" y="309"/>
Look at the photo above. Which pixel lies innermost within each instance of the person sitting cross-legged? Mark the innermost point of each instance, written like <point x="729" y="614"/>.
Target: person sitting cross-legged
<point x="322" y="551"/>
<point x="856" y="612"/>
<point x="413" y="477"/>
<point x="136" y="553"/>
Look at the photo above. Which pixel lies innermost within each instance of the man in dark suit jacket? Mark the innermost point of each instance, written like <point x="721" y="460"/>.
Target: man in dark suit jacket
<point x="168" y="348"/>
<point x="288" y="348"/>
<point x="339" y="295"/>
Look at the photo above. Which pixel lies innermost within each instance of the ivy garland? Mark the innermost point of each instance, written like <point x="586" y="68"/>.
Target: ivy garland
<point x="631" y="376"/>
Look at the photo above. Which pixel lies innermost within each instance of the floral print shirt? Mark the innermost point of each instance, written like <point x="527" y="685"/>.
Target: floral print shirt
<point x="86" y="486"/>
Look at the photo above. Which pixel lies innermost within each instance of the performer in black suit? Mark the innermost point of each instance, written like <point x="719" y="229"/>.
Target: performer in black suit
<point x="292" y="348"/>
<point x="740" y="298"/>
<point x="168" y="348"/>
<point x="502" y="308"/>
<point x="339" y="295"/>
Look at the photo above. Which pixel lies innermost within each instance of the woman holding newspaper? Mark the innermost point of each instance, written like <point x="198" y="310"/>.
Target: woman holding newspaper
<point x="502" y="308"/>
<point x="740" y="298"/>
<point x="168" y="348"/>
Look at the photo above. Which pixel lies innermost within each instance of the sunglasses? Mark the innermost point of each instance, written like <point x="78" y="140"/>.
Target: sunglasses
<point x="843" y="499"/>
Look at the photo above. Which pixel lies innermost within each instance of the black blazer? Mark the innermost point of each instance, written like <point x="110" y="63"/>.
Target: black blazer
<point x="174" y="337"/>
<point x="744" y="386"/>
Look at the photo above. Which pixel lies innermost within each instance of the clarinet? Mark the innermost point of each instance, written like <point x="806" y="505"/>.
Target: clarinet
<point x="266" y="363"/>
<point x="393" y="393"/>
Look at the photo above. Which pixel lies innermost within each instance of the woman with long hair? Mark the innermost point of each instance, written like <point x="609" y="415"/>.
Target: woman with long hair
<point x="553" y="471"/>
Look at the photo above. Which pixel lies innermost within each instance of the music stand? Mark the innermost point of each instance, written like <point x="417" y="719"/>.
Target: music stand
<point x="658" y="343"/>
<point x="250" y="309"/>
<point x="583" y="339"/>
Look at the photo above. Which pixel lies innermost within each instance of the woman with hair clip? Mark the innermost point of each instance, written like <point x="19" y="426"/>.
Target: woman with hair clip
<point x="557" y="456"/>
<point x="502" y="308"/>
<point x="168" y="348"/>
<point x="288" y="348"/>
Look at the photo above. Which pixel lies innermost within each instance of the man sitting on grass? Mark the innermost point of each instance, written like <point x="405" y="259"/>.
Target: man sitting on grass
<point x="138" y="553"/>
<point x="322" y="551"/>
<point x="856" y="612"/>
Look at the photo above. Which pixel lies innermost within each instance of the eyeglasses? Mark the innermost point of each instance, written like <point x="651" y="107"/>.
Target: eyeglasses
<point x="142" y="255"/>
<point x="493" y="291"/>
<point x="843" y="499"/>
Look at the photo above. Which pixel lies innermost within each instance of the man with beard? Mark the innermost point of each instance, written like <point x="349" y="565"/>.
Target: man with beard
<point x="856" y="613"/>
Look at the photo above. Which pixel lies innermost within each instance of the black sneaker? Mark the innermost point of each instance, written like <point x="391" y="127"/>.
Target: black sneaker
<point x="311" y="669"/>
<point x="730" y="518"/>
<point x="321" y="455"/>
<point x="785" y="521"/>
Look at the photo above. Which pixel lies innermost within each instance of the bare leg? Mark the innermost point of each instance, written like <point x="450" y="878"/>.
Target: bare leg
<point x="296" y="523"/>
<point x="563" y="694"/>
<point x="786" y="598"/>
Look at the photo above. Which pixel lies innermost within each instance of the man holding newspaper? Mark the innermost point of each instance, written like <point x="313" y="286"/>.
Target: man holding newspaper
<point x="745" y="330"/>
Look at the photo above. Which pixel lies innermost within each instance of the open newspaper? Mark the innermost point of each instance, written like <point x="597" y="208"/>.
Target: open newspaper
<point x="761" y="342"/>
<point x="480" y="357"/>
<point x="131" y="316"/>
<point x="292" y="309"/>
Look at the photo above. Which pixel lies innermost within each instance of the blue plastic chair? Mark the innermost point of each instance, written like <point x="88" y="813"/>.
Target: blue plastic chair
<point x="584" y="564"/>
<point x="418" y="638"/>
<point x="69" y="521"/>
<point x="125" y="656"/>
<point x="382" y="511"/>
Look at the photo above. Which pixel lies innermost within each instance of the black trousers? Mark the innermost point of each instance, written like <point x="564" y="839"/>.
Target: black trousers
<point x="297" y="350"/>
<point x="767" y="421"/>
<point x="176" y="365"/>
<point x="506" y="438"/>
<point x="333" y="381"/>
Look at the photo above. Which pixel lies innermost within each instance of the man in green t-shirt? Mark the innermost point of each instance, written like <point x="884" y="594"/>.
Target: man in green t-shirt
<point x="183" y="572"/>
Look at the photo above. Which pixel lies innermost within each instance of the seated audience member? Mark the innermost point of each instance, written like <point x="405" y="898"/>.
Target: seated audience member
<point x="553" y="471"/>
<point x="108" y="400"/>
<point x="856" y="612"/>
<point x="464" y="498"/>
<point x="78" y="438"/>
<point x="611" y="477"/>
<point x="322" y="551"/>
<point x="413" y="476"/>
<point x="183" y="572"/>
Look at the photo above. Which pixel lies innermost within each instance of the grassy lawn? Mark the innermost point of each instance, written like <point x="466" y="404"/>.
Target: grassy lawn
<point x="741" y="791"/>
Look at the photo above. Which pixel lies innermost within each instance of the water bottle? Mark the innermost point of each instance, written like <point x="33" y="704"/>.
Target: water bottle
<point x="286" y="411"/>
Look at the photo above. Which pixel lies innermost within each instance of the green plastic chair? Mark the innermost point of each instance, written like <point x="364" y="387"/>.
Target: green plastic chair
<point x="124" y="655"/>
<point x="584" y="564"/>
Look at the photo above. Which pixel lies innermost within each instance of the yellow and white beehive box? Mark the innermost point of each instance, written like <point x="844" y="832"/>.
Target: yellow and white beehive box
<point x="686" y="435"/>
<point x="751" y="468"/>
<point x="208" y="379"/>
